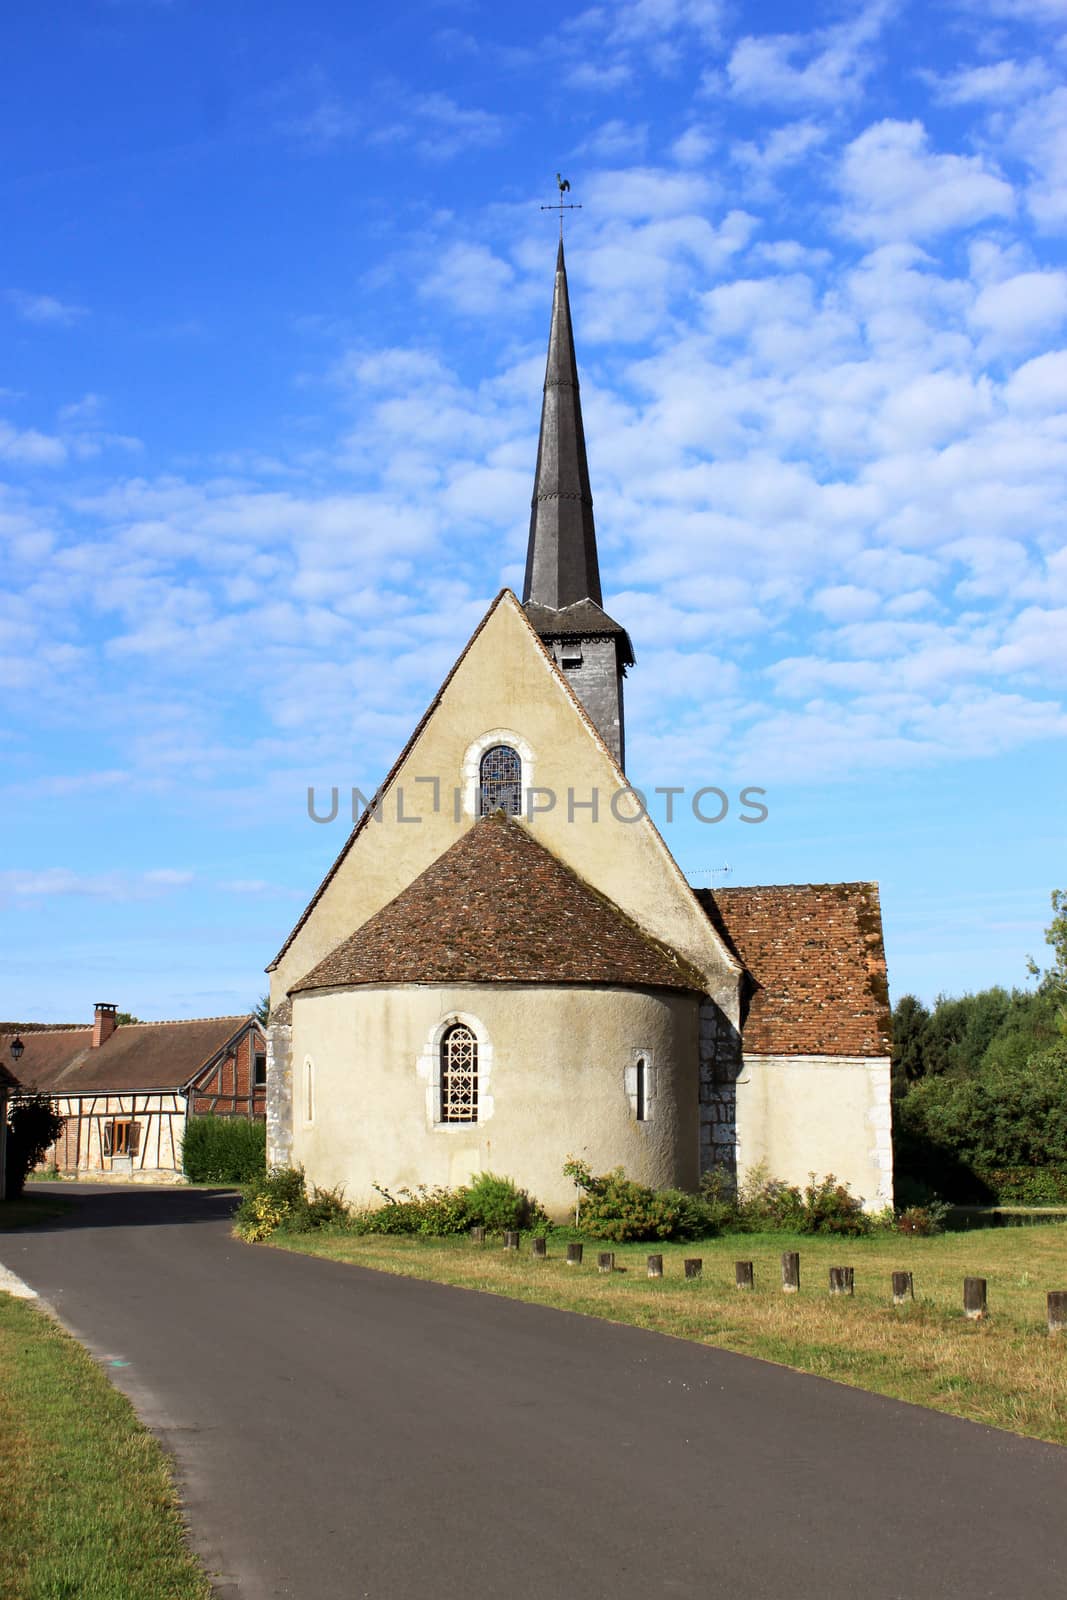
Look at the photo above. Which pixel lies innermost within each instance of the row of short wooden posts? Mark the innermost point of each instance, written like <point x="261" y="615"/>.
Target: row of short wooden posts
<point x="842" y="1279"/>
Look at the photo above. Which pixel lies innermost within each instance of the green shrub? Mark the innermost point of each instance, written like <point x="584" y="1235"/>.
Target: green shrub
<point x="615" y="1207"/>
<point x="501" y="1206"/>
<point x="829" y="1207"/>
<point x="272" y="1200"/>
<point x="923" y="1220"/>
<point x="224" y="1149"/>
<point x="1025" y="1186"/>
<point x="433" y="1212"/>
<point x="33" y="1125"/>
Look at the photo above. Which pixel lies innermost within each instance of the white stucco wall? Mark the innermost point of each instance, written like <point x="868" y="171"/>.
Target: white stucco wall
<point x="556" y="1079"/>
<point x="507" y="684"/>
<point x="821" y="1114"/>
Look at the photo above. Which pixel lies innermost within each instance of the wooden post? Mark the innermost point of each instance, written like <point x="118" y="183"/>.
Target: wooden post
<point x="744" y="1275"/>
<point x="791" y="1271"/>
<point x="477" y="1235"/>
<point x="1057" y="1311"/>
<point x="574" y="1255"/>
<point x="842" y="1280"/>
<point x="694" y="1266"/>
<point x="539" y="1247"/>
<point x="974" y="1298"/>
<point x="605" y="1261"/>
<point x="511" y="1241"/>
<point x="903" y="1288"/>
<point x="655" y="1266"/>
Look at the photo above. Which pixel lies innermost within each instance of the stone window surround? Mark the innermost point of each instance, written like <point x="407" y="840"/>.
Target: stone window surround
<point x="648" y="1056"/>
<point x="428" y="1067"/>
<point x="472" y="765"/>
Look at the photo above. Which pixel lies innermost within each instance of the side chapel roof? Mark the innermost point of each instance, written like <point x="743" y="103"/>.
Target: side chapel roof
<point x="816" y="963"/>
<point x="497" y="907"/>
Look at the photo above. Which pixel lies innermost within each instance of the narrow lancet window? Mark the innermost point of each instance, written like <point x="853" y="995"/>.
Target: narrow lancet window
<point x="459" y="1075"/>
<point x="642" y="1090"/>
<point x="500" y="781"/>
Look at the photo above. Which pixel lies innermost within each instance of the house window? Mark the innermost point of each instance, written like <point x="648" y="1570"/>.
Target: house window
<point x="459" y="1075"/>
<point x="500" y="781"/>
<point x="122" y="1137"/>
<point x="259" y="1076"/>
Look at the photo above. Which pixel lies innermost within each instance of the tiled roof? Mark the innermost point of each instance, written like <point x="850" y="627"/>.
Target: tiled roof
<point x="499" y="908"/>
<point x="138" y="1055"/>
<point x="816" y="963"/>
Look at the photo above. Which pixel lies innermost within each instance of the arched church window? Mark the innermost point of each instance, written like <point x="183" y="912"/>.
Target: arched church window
<point x="459" y="1074"/>
<point x="500" y="781"/>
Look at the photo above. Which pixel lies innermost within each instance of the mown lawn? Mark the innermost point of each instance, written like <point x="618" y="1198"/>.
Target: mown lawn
<point x="87" y="1506"/>
<point x="1005" y="1371"/>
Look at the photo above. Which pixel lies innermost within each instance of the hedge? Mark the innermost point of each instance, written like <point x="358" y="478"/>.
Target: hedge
<point x="224" y="1149"/>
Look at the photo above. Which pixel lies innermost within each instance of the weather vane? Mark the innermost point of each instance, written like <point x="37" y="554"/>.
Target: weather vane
<point x="562" y="205"/>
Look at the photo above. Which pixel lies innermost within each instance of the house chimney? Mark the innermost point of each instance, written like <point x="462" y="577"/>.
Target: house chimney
<point x="105" y="1022"/>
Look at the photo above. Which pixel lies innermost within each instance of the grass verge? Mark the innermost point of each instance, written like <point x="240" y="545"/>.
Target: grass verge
<point x="87" y="1507"/>
<point x="31" y="1208"/>
<point x="1005" y="1371"/>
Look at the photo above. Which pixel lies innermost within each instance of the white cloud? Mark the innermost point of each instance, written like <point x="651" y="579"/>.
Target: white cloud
<point x="62" y="882"/>
<point x="615" y="140"/>
<point x="896" y="188"/>
<point x="470" y="278"/>
<point x="437" y="126"/>
<point x="1022" y="308"/>
<point x="30" y="448"/>
<point x="826" y="67"/>
<point x="1040" y="384"/>
<point x="784" y="147"/>
<point x="996" y="82"/>
<point x="45" y="309"/>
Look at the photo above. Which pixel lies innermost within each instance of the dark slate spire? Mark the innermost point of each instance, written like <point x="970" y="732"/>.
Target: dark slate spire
<point x="561" y="560"/>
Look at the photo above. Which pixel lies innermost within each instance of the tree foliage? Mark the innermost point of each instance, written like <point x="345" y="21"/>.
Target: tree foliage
<point x="33" y="1126"/>
<point x="981" y="1086"/>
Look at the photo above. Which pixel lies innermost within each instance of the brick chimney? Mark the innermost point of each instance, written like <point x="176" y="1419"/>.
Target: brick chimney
<point x="105" y="1022"/>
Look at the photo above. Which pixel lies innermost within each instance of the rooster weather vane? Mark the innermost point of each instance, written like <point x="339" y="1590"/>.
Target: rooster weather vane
<point x="564" y="186"/>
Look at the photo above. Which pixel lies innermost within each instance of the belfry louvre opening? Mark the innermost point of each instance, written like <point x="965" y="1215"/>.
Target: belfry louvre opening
<point x="459" y="1075"/>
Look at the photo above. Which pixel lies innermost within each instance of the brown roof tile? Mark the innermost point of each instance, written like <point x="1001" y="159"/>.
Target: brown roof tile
<point x="816" y="961"/>
<point x="138" y="1055"/>
<point x="499" y="908"/>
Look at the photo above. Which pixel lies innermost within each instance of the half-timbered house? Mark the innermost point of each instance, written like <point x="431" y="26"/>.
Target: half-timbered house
<point x="126" y="1091"/>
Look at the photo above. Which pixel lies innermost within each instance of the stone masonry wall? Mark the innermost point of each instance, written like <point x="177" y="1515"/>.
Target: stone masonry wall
<point x="279" y="1094"/>
<point x="720" y="1068"/>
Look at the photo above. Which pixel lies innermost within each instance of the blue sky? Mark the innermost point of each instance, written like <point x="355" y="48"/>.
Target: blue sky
<point x="274" y="298"/>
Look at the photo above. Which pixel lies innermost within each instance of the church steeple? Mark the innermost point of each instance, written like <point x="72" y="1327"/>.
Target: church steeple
<point x="561" y="593"/>
<point x="561" y="559"/>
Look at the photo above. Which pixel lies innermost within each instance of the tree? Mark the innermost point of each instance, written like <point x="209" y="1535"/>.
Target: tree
<point x="124" y="1019"/>
<point x="1053" y="979"/>
<point x="910" y="1022"/>
<point x="261" y="1009"/>
<point x="33" y="1126"/>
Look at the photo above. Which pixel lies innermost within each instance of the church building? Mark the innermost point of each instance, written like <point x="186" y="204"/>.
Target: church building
<point x="505" y="966"/>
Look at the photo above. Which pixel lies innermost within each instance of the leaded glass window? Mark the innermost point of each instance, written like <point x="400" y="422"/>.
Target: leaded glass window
<point x="459" y="1075"/>
<point x="500" y="777"/>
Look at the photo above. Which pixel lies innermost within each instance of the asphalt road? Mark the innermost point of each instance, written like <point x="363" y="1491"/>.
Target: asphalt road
<point x="342" y="1434"/>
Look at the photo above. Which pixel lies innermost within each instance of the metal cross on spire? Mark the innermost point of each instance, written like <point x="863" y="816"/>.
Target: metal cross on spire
<point x="562" y="205"/>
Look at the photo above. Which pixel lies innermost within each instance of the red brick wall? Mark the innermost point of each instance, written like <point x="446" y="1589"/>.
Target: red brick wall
<point x="228" y="1090"/>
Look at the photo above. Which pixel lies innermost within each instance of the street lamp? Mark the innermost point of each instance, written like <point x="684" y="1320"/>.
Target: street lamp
<point x="17" y="1047"/>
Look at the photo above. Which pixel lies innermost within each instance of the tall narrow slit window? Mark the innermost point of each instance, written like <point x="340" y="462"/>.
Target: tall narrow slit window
<point x="641" y="1091"/>
<point x="500" y="781"/>
<point x="459" y="1075"/>
<point x="309" y="1091"/>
